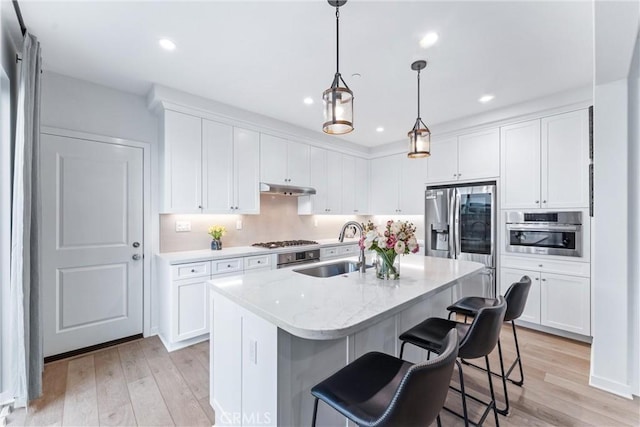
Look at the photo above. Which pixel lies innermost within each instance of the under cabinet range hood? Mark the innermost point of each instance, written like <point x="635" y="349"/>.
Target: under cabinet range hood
<point x="286" y="190"/>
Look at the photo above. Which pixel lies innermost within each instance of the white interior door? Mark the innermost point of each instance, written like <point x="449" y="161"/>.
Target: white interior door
<point x="92" y="230"/>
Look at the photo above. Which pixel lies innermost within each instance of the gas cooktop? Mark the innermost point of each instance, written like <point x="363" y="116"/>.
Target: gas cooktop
<point x="285" y="243"/>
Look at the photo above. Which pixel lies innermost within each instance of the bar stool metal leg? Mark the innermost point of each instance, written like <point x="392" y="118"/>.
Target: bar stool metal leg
<point x="505" y="410"/>
<point x="315" y="413"/>
<point x="493" y="395"/>
<point x="518" y="359"/>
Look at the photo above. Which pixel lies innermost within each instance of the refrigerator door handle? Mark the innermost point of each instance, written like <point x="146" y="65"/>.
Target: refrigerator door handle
<point x="456" y="223"/>
<point x="452" y="228"/>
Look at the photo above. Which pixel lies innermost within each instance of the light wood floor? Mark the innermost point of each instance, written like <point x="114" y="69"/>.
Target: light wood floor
<point x="140" y="383"/>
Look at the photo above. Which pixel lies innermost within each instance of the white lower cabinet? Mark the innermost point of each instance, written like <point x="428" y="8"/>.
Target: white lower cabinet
<point x="184" y="295"/>
<point x="531" y="311"/>
<point x="560" y="301"/>
<point x="190" y="308"/>
<point x="566" y="303"/>
<point x="244" y="392"/>
<point x="338" y="251"/>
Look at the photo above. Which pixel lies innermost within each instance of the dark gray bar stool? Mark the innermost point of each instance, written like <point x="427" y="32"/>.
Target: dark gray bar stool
<point x="516" y="298"/>
<point x="477" y="339"/>
<point x="381" y="390"/>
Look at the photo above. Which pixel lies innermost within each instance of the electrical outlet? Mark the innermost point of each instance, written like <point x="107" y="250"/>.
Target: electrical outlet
<point x="315" y="222"/>
<point x="182" y="226"/>
<point x="239" y="224"/>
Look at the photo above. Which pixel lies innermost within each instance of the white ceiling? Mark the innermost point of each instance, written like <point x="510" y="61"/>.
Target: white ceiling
<point x="266" y="56"/>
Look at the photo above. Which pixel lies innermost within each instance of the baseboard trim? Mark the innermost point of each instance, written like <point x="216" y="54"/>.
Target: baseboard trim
<point x="89" y="349"/>
<point x="614" y="387"/>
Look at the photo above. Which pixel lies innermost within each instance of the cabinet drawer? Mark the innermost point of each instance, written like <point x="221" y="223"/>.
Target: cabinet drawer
<point x="329" y="252"/>
<point x="348" y="250"/>
<point x="258" y="261"/>
<point x="193" y="269"/>
<point x="226" y="266"/>
<point x="548" y="265"/>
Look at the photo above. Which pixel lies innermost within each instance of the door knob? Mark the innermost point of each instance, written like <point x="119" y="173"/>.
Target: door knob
<point x="136" y="257"/>
<point x="136" y="244"/>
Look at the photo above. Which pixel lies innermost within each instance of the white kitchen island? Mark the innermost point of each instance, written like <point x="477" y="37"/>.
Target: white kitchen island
<point x="275" y="335"/>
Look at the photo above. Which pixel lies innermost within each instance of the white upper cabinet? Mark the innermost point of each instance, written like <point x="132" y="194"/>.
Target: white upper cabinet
<point x="565" y="158"/>
<point x="325" y="175"/>
<point x="335" y="184"/>
<point x="479" y="155"/>
<point x="246" y="175"/>
<point x="413" y="178"/>
<point x="361" y="184"/>
<point x="443" y="162"/>
<point x="182" y="167"/>
<point x="217" y="167"/>
<point x="466" y="157"/>
<point x="355" y="189"/>
<point x="283" y="162"/>
<point x="385" y="183"/>
<point x="397" y="185"/>
<point x="520" y="165"/>
<point x="209" y="167"/>
<point x="545" y="162"/>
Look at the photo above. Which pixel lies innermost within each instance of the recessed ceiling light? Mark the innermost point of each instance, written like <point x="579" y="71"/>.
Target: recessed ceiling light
<point x="486" y="98"/>
<point x="167" y="44"/>
<point x="429" y="40"/>
<point x="379" y="129"/>
<point x="308" y="100"/>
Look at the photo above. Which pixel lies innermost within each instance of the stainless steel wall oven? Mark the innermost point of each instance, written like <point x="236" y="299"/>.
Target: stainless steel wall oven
<point x="545" y="233"/>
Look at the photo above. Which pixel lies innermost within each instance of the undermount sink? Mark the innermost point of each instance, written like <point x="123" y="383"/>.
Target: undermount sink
<point x="330" y="270"/>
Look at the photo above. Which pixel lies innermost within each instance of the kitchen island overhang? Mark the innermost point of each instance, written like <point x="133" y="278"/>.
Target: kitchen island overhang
<point x="277" y="333"/>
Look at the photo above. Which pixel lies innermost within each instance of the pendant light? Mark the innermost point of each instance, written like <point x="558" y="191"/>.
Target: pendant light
<point x="338" y="100"/>
<point x="420" y="135"/>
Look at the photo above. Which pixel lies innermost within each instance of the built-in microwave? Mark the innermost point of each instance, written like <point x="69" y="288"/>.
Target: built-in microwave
<point x="545" y="233"/>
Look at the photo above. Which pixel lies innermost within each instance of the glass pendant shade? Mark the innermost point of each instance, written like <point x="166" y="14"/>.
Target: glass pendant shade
<point x="338" y="109"/>
<point x="419" y="141"/>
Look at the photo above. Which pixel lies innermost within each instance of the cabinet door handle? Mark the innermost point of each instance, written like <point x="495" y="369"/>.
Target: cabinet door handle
<point x="199" y="206"/>
<point x="259" y="261"/>
<point x="544" y="201"/>
<point x="537" y="278"/>
<point x="537" y="201"/>
<point x="236" y="208"/>
<point x="544" y="280"/>
<point x="193" y="270"/>
<point x="540" y="265"/>
<point x="228" y="265"/>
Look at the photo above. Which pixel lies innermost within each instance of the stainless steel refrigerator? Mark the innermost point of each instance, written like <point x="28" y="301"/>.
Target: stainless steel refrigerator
<point x="460" y="223"/>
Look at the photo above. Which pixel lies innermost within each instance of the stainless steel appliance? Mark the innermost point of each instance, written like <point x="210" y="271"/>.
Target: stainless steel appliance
<point x="545" y="233"/>
<point x="460" y="223"/>
<point x="285" y="244"/>
<point x="291" y="259"/>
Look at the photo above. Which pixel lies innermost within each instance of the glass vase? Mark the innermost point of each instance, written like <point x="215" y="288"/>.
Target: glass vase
<point x="216" y="245"/>
<point x="387" y="266"/>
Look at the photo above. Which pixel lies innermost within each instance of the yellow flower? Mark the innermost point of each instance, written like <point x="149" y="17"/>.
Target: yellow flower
<point x="217" y="231"/>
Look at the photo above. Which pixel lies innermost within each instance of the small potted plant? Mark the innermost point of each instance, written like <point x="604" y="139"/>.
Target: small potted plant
<point x="216" y="232"/>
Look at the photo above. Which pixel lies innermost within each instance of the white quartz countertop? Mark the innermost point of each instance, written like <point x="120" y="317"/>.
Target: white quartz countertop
<point x="240" y="251"/>
<point x="334" y="307"/>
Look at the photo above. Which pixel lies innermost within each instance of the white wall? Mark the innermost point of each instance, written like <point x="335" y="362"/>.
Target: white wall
<point x="79" y="105"/>
<point x="634" y="217"/>
<point x="614" y="353"/>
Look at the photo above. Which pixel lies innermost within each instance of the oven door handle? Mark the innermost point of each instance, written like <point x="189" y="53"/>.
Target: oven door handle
<point x="536" y="227"/>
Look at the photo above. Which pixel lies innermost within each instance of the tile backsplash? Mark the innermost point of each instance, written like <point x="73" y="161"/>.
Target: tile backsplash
<point x="278" y="220"/>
